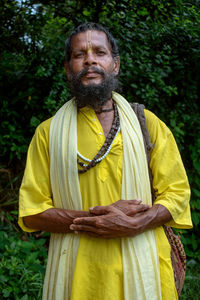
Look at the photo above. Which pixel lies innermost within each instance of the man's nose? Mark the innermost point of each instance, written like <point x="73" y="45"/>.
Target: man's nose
<point x="90" y="58"/>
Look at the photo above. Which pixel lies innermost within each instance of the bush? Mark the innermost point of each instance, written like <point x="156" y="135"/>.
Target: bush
<point x="192" y="282"/>
<point x="22" y="265"/>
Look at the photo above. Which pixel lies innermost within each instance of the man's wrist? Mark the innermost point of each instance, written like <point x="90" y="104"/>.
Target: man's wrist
<point x="156" y="216"/>
<point x="73" y="214"/>
<point x="139" y="223"/>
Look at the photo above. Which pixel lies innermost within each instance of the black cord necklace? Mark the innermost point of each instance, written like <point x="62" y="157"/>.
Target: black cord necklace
<point x="103" y="110"/>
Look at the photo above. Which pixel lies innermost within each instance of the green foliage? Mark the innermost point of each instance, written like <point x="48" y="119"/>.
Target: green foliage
<point x="22" y="265"/>
<point x="192" y="282"/>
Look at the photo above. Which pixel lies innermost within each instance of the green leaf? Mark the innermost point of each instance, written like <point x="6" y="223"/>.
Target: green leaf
<point x="196" y="192"/>
<point x="197" y="166"/>
<point x="25" y="297"/>
<point x="194" y="242"/>
<point x="196" y="217"/>
<point x="86" y="13"/>
<point x="34" y="122"/>
<point x="6" y="293"/>
<point x="3" y="278"/>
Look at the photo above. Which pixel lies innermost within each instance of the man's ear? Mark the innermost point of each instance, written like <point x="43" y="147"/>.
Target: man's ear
<point x="67" y="70"/>
<point x="116" y="65"/>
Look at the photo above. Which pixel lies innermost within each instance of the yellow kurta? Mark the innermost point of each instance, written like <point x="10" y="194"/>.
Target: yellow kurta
<point x="98" y="272"/>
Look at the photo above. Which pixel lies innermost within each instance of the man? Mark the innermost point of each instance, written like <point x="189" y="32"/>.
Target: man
<point x="80" y="163"/>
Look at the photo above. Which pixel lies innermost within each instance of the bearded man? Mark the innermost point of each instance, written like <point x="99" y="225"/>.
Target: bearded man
<point x="80" y="164"/>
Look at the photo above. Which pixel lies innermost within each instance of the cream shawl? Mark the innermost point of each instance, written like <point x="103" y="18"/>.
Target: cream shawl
<point x="140" y="258"/>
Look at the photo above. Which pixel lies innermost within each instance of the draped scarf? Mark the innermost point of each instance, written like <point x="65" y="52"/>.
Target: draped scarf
<point x="139" y="254"/>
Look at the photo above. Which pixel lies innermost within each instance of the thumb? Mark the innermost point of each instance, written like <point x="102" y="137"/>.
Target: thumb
<point x="100" y="210"/>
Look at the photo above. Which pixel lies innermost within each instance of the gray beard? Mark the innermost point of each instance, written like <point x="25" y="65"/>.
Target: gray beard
<point x="94" y="95"/>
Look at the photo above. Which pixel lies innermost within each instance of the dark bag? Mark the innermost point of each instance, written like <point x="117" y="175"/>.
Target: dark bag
<point x="178" y="256"/>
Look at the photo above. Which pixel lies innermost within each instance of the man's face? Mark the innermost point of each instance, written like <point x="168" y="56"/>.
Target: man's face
<point x="92" y="70"/>
<point x="91" y="49"/>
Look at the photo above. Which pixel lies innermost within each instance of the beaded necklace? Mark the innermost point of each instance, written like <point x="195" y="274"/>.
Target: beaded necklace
<point x="105" y="149"/>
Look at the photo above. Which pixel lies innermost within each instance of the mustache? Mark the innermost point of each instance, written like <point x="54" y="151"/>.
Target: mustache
<point x="83" y="72"/>
<point x="94" y="95"/>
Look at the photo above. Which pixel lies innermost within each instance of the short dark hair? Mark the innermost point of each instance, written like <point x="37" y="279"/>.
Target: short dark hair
<point x="91" y="26"/>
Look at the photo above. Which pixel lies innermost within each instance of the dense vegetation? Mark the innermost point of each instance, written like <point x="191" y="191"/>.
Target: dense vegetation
<point x="160" y="61"/>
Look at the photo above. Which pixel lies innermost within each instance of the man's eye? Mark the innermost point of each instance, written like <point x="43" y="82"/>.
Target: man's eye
<point x="101" y="53"/>
<point x="78" y="55"/>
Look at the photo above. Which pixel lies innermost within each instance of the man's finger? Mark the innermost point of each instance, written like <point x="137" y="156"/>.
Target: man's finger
<point x="135" y="201"/>
<point x="142" y="207"/>
<point x="137" y="209"/>
<point x="85" y="220"/>
<point x="90" y="230"/>
<point x="85" y="228"/>
<point x="100" y="210"/>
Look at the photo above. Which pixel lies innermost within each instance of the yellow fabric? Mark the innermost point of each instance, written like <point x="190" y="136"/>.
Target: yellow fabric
<point x="169" y="180"/>
<point x="140" y="258"/>
<point x="35" y="197"/>
<point x="95" y="261"/>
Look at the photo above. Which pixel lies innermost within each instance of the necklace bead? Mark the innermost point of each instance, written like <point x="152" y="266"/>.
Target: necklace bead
<point x="105" y="149"/>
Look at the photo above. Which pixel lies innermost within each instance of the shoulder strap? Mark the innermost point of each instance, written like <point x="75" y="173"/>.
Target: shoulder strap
<point x="139" y="111"/>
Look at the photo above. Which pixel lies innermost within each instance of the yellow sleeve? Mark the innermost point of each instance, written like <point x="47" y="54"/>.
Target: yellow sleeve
<point x="35" y="195"/>
<point x="169" y="177"/>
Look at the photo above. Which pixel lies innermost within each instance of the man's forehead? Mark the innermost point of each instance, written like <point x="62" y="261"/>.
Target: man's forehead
<point x="90" y="37"/>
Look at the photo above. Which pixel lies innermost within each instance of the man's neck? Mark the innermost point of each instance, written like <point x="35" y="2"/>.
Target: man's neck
<point x="105" y="115"/>
<point x="107" y="107"/>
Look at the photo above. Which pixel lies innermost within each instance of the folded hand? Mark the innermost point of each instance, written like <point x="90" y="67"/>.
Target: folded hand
<point x="108" y="222"/>
<point x="131" y="207"/>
